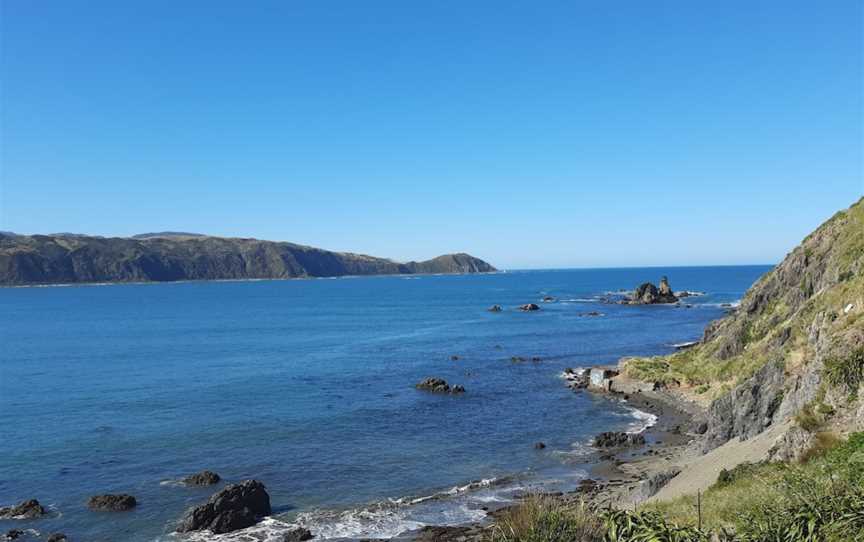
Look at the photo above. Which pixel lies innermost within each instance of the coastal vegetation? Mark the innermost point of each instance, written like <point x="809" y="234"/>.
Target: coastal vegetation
<point x="819" y="500"/>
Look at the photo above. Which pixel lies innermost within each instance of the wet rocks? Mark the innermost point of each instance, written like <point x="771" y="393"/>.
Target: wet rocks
<point x="539" y="445"/>
<point x="577" y="379"/>
<point x="236" y="506"/>
<point x="297" y="535"/>
<point x="548" y="299"/>
<point x="203" y="478"/>
<point x="495" y="308"/>
<point x="57" y="537"/>
<point x="617" y="439"/>
<point x="111" y="503"/>
<point x="13" y="534"/>
<point x="29" y="509"/>
<point x="528" y="307"/>
<point x="438" y="385"/>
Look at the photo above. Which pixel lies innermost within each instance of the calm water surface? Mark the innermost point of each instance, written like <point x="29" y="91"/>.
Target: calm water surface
<point x="307" y="385"/>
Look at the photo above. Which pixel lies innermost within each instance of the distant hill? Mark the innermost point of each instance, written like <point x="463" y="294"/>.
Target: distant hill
<point x="167" y="234"/>
<point x="173" y="256"/>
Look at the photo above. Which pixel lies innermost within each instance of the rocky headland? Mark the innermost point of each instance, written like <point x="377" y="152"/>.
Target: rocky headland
<point x="70" y="258"/>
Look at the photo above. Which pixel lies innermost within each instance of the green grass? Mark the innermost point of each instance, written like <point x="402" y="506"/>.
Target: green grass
<point x="846" y="371"/>
<point x="819" y="500"/>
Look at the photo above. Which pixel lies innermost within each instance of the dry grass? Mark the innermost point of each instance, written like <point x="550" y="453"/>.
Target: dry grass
<point x="542" y="519"/>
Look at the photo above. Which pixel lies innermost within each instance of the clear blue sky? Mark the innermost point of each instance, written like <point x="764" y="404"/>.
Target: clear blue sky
<point x="532" y="134"/>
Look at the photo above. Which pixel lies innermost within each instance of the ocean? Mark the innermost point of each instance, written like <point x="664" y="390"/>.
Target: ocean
<point x="308" y="386"/>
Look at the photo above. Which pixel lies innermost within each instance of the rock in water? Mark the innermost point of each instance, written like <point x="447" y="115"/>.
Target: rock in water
<point x="57" y="537"/>
<point x="495" y="308"/>
<point x="237" y="506"/>
<point x="529" y="307"/>
<point x="203" y="478"/>
<point x="438" y="385"/>
<point x="648" y="294"/>
<point x="24" y="510"/>
<point x="13" y="534"/>
<point x="112" y="503"/>
<point x="539" y="445"/>
<point x="615" y="439"/>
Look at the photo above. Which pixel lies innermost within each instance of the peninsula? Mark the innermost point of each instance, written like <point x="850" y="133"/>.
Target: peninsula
<point x="162" y="257"/>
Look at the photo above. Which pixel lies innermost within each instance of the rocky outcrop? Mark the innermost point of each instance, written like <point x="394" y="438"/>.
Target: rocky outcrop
<point x="617" y="439"/>
<point x="29" y="509"/>
<point x="748" y="409"/>
<point x="68" y="258"/>
<point x="650" y="486"/>
<point x="236" y="506"/>
<point x="438" y="385"/>
<point x="203" y="478"/>
<point x="298" y="534"/>
<point x="112" y="503"/>
<point x="649" y="294"/>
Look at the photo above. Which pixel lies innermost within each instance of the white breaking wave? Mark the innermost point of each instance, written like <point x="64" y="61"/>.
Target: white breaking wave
<point x="644" y="420"/>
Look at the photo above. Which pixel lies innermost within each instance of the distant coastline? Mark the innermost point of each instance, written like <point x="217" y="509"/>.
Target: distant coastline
<point x="65" y="259"/>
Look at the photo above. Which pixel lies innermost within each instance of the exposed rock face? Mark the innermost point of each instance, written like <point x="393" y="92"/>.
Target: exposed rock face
<point x="439" y="385"/>
<point x="112" y="503"/>
<point x="648" y="294"/>
<point x="616" y="439"/>
<point x="529" y="307"/>
<point x="236" y="506"/>
<point x="67" y="258"/>
<point x="203" y="478"/>
<point x="28" y="509"/>
<point x="650" y="487"/>
<point x="746" y="410"/>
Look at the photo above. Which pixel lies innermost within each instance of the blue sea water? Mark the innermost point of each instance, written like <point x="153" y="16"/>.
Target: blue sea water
<point x="307" y="385"/>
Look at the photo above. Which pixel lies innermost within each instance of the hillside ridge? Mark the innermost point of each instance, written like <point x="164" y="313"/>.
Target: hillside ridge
<point x="174" y="256"/>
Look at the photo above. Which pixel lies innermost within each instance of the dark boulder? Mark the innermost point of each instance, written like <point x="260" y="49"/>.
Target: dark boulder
<point x="236" y="506"/>
<point x="28" y="509"/>
<point x="616" y="439"/>
<point x="57" y="537"/>
<point x="539" y="445"/>
<point x="297" y="535"/>
<point x="203" y="478"/>
<point x="529" y="307"/>
<point x="13" y="534"/>
<point x="112" y="503"/>
<point x="438" y="385"/>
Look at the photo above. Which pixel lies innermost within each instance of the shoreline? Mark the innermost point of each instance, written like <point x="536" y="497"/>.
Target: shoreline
<point x="617" y="477"/>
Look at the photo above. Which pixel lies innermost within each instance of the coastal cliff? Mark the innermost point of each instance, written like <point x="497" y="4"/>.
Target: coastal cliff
<point x="70" y="258"/>
<point x="793" y="349"/>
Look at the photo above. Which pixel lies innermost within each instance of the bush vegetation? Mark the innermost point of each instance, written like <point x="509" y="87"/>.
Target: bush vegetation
<point x="820" y="500"/>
